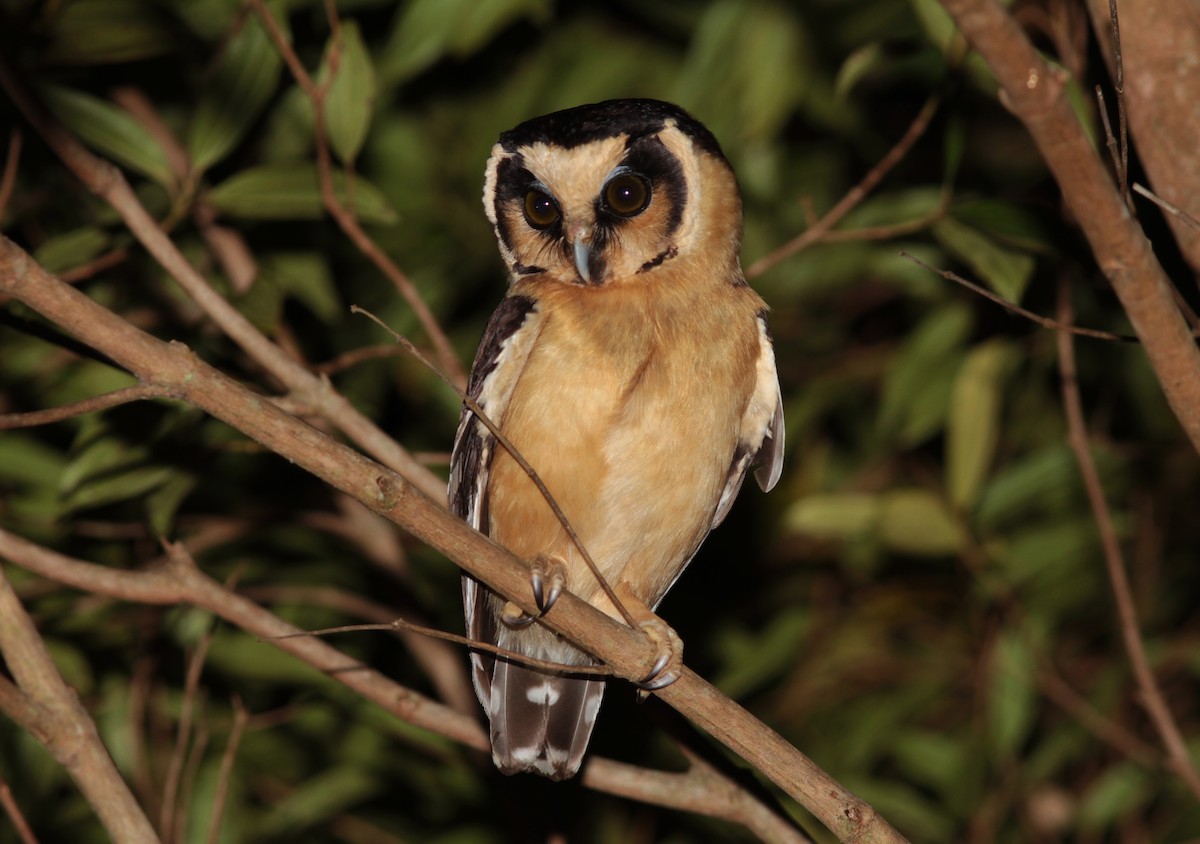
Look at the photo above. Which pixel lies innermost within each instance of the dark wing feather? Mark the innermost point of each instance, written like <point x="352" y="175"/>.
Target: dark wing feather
<point x="505" y="346"/>
<point x="761" y="435"/>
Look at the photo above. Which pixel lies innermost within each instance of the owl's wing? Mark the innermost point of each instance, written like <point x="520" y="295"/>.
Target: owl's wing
<point x="503" y="352"/>
<point x="761" y="433"/>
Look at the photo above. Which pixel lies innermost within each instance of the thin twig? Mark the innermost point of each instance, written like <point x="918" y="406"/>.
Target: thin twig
<point x="344" y="216"/>
<point x="855" y="195"/>
<point x="97" y="265"/>
<point x="1151" y="696"/>
<point x="106" y="181"/>
<point x="516" y="455"/>
<point x="1122" y="122"/>
<point x="1044" y="322"/>
<point x="14" y="812"/>
<point x="8" y="421"/>
<point x="1173" y="210"/>
<point x="182" y="736"/>
<point x="240" y="718"/>
<point x="346" y="360"/>
<point x="473" y="644"/>
<point x="9" y="177"/>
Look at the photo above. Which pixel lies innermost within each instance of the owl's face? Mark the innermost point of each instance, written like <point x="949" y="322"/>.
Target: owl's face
<point x="610" y="193"/>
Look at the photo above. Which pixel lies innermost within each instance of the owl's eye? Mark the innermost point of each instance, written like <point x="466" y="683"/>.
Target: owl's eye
<point x="541" y="211"/>
<point x="627" y="195"/>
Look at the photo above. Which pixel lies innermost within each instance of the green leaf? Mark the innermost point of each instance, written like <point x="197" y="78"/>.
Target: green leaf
<point x="427" y="30"/>
<point x="1006" y="271"/>
<point x="751" y="660"/>
<point x="164" y="502"/>
<point x="1120" y="792"/>
<point x="350" y="101"/>
<point x="936" y="21"/>
<point x="1044" y="481"/>
<point x="306" y="276"/>
<point x="834" y="515"/>
<point x="856" y="66"/>
<point x="293" y="192"/>
<point x="236" y="92"/>
<point x="121" y="486"/>
<point x="1012" y="697"/>
<point x="88" y="32"/>
<point x="915" y="521"/>
<point x="110" y="131"/>
<point x="24" y="459"/>
<point x="72" y="248"/>
<point x="973" y="428"/>
<point x="916" y="389"/>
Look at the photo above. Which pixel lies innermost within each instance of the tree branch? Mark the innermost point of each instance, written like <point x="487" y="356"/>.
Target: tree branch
<point x="626" y="650"/>
<point x="57" y="718"/>
<point x="1036" y="94"/>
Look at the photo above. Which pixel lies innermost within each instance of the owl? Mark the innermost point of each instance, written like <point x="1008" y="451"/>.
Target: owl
<point x="631" y="365"/>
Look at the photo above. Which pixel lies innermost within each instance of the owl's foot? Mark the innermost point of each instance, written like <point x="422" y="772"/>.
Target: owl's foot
<point x="668" y="666"/>
<point x="548" y="577"/>
<point x="514" y="617"/>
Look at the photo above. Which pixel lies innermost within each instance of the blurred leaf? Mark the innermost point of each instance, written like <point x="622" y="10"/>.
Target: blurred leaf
<point x="350" y="100"/>
<point x="306" y="276"/>
<point x="72" y="249"/>
<point x="120" y="486"/>
<point x="974" y="424"/>
<point x="427" y="30"/>
<point x="87" y="32"/>
<point x="857" y="65"/>
<point x="916" y="389"/>
<point x="1044" y="481"/>
<point x="321" y="798"/>
<point x="834" y="515"/>
<point x="162" y="504"/>
<point x="1005" y="271"/>
<point x="1120" y="792"/>
<point x="234" y="94"/>
<point x="939" y="27"/>
<point x="293" y="192"/>
<point x="915" y="521"/>
<point x="110" y="131"/>
<point x="1011" y="694"/>
<point x="934" y="759"/>
<point x="71" y="664"/>
<point x="752" y="659"/>
<point x="27" y="460"/>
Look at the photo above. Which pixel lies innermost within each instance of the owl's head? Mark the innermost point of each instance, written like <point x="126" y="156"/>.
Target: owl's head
<point x="611" y="192"/>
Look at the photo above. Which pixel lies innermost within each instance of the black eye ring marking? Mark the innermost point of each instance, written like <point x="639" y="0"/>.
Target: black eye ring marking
<point x="541" y="211"/>
<point x="627" y="194"/>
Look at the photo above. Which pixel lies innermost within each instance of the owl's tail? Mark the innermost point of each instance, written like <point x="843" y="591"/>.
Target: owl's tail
<point x="541" y="722"/>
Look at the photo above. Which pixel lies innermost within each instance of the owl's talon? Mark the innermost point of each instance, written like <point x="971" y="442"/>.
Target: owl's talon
<point x="668" y="667"/>
<point x="514" y="617"/>
<point x="547" y="572"/>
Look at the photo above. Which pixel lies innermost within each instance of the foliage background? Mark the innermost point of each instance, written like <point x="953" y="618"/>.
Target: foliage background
<point x="921" y="606"/>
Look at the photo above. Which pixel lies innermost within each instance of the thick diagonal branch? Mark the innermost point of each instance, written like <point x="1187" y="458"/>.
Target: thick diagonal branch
<point x="1036" y="94"/>
<point x="627" y="651"/>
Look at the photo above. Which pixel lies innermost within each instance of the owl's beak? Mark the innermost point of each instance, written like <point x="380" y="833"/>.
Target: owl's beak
<point x="580" y="237"/>
<point x="583" y="253"/>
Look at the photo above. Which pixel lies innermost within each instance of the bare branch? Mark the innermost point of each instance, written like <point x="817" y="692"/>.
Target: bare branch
<point x="9" y="177"/>
<point x="8" y="421"/>
<point x="59" y="720"/>
<point x="240" y="718"/>
<point x="1038" y="319"/>
<point x="1036" y="94"/>
<point x="14" y="814"/>
<point x="345" y="217"/>
<point x="818" y="230"/>
<point x="107" y="182"/>
<point x="629" y="652"/>
<point x="1173" y="210"/>
<point x="1151" y="695"/>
